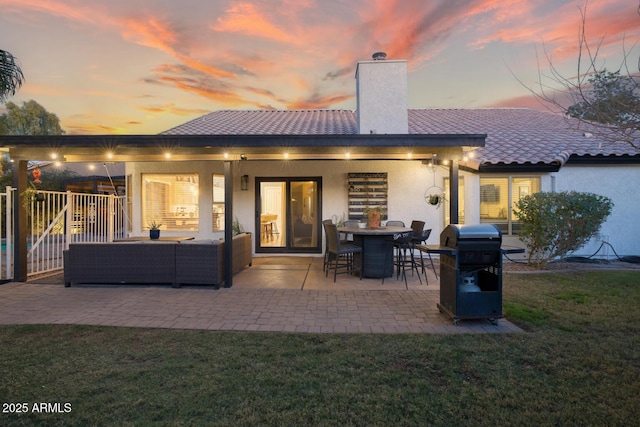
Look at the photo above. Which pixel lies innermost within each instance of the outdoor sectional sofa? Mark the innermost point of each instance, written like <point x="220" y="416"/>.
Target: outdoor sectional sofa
<point x="198" y="262"/>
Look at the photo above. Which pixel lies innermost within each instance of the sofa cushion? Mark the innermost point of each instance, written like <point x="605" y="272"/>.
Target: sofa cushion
<point x="199" y="242"/>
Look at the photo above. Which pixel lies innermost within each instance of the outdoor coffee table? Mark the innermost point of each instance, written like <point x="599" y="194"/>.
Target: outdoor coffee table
<point x="146" y="238"/>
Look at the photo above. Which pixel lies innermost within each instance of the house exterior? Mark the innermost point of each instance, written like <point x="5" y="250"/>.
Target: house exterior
<point x="278" y="174"/>
<point x="525" y="151"/>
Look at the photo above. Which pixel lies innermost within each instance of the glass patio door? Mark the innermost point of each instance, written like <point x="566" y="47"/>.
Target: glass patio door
<point x="288" y="212"/>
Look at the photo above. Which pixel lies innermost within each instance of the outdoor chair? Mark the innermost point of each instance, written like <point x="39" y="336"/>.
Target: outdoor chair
<point x="342" y="240"/>
<point x="395" y="224"/>
<point x="422" y="240"/>
<point x="340" y="255"/>
<point x="326" y="245"/>
<point x="348" y="238"/>
<point x="404" y="258"/>
<point x="418" y="238"/>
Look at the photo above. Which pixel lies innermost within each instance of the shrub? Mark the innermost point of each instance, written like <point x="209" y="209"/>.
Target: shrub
<point x="555" y="224"/>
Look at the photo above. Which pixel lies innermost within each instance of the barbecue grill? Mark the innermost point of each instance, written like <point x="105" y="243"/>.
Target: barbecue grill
<point x="471" y="271"/>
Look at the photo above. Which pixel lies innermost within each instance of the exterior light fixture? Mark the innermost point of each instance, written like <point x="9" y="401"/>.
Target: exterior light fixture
<point x="109" y="155"/>
<point x="225" y="155"/>
<point x="409" y="155"/>
<point x="244" y="182"/>
<point x="167" y="155"/>
<point x="286" y="155"/>
<point x="54" y="156"/>
<point x="347" y="155"/>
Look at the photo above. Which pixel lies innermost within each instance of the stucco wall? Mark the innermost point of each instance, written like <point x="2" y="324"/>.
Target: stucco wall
<point x="620" y="183"/>
<point x="381" y="94"/>
<point x="407" y="180"/>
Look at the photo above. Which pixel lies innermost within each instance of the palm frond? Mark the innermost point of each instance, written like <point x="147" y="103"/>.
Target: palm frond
<point x="11" y="76"/>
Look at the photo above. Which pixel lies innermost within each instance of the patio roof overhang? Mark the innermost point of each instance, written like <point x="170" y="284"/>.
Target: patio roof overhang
<point x="129" y="148"/>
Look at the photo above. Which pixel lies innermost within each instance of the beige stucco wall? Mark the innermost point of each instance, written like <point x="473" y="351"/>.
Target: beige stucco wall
<point x="407" y="180"/>
<point x="620" y="183"/>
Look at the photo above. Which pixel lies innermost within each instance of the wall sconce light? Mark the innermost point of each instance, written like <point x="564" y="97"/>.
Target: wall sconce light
<point x="244" y="182"/>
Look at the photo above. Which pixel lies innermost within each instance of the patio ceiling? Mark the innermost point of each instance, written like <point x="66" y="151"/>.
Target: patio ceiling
<point x="84" y="148"/>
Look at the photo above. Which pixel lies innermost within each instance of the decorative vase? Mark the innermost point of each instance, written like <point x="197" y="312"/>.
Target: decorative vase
<point x="374" y="219"/>
<point x="154" y="234"/>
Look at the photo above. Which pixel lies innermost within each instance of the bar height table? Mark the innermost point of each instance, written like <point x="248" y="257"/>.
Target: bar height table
<point x="376" y="259"/>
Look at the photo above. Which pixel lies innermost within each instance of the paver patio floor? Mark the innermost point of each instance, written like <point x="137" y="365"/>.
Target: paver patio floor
<point x="277" y="294"/>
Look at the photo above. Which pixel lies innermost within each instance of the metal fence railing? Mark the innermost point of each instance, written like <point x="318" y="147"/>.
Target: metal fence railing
<point x="56" y="219"/>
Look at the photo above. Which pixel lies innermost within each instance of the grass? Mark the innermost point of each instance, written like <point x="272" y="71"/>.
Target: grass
<point x="577" y="364"/>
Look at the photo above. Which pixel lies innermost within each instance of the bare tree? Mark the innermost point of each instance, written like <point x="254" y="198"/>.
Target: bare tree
<point x="604" y="103"/>
<point x="11" y="76"/>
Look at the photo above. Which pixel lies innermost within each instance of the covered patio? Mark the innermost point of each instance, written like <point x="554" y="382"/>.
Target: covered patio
<point x="231" y="151"/>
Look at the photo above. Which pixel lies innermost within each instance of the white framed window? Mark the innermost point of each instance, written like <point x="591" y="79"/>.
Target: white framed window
<point x="218" y="203"/>
<point x="498" y="196"/>
<point x="170" y="199"/>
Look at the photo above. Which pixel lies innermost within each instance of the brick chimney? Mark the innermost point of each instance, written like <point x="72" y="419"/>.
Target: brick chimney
<point x="381" y="92"/>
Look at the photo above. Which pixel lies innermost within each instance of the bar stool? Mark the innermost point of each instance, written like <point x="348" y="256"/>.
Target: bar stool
<point x="341" y="253"/>
<point x="404" y="258"/>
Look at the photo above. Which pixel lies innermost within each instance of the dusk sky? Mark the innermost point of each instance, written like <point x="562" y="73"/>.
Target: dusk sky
<point x="143" y="66"/>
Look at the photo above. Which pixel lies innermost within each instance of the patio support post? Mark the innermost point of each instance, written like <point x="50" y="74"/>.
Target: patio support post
<point x="453" y="190"/>
<point x="228" y="223"/>
<point x="19" y="223"/>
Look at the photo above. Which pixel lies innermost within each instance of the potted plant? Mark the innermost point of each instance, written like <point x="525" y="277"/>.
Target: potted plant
<point x="154" y="230"/>
<point x="435" y="199"/>
<point x="236" y="227"/>
<point x="31" y="194"/>
<point x="373" y="214"/>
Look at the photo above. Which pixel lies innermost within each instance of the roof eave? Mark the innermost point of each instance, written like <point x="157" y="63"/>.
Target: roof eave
<point x="214" y="147"/>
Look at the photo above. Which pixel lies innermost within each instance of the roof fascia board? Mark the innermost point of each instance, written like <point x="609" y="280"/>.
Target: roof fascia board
<point x="518" y="168"/>
<point x="603" y="160"/>
<point x="371" y="140"/>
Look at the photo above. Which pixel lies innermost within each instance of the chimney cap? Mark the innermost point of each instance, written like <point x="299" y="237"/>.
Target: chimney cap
<point x="379" y="56"/>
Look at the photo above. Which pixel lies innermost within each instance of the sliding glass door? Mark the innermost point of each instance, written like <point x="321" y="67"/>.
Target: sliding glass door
<point x="288" y="212"/>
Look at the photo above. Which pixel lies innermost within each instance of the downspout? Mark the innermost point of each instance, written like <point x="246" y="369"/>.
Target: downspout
<point x="19" y="223"/>
<point x="228" y="223"/>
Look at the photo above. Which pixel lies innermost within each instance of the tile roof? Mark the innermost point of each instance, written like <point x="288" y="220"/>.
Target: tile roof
<point x="514" y="135"/>
<point x="270" y="122"/>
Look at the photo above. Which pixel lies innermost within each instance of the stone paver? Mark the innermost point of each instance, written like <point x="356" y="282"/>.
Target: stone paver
<point x="283" y="300"/>
<point x="282" y="310"/>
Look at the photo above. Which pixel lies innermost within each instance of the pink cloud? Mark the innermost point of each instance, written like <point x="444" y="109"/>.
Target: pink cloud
<point x="528" y="23"/>
<point x="173" y="109"/>
<point x="246" y="18"/>
<point x="77" y="12"/>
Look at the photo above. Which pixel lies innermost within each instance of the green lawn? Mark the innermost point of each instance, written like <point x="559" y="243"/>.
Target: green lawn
<point x="577" y="364"/>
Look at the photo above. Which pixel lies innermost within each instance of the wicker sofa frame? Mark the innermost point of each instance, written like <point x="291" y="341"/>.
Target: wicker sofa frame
<point x="157" y="262"/>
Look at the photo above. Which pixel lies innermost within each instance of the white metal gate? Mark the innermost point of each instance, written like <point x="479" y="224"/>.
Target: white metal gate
<point x="56" y="219"/>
